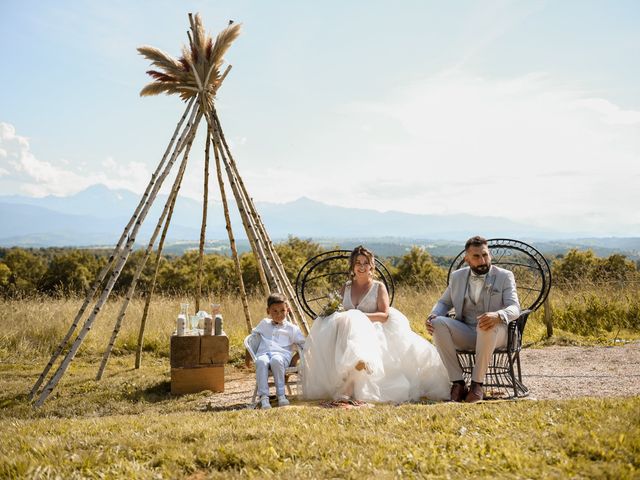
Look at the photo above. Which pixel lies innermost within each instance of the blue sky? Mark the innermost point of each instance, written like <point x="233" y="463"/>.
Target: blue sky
<point x="527" y="110"/>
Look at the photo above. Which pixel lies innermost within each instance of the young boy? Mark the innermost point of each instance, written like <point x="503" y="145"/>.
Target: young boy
<point x="277" y="337"/>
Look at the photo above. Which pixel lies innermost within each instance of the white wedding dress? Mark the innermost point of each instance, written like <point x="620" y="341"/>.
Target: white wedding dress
<point x="402" y="365"/>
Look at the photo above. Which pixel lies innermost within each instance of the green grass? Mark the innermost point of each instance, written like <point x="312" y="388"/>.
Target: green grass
<point x="590" y="438"/>
<point x="129" y="425"/>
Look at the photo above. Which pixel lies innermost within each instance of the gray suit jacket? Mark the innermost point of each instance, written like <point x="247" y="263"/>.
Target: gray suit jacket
<point x="498" y="294"/>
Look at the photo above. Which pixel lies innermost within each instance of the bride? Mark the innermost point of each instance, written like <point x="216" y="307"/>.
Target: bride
<point x="369" y="351"/>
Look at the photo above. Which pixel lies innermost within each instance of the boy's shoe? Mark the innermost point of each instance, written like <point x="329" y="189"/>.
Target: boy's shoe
<point x="283" y="401"/>
<point x="264" y="402"/>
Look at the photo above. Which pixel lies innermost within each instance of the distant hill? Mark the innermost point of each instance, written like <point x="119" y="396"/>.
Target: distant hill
<point x="97" y="215"/>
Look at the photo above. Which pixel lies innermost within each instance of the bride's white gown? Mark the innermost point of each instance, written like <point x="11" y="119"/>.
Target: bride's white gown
<point x="403" y="366"/>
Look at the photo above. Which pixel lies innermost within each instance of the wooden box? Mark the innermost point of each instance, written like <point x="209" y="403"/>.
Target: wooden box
<point x="197" y="363"/>
<point x="197" y="379"/>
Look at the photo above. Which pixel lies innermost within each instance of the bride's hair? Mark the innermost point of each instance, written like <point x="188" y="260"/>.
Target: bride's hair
<point x="360" y="250"/>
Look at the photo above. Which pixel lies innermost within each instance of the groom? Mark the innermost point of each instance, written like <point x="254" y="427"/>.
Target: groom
<point x="485" y="300"/>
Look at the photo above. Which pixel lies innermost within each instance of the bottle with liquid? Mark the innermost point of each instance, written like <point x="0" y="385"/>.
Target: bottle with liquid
<point x="218" y="325"/>
<point x="217" y="319"/>
<point x="208" y="325"/>
<point x="181" y="323"/>
<point x="181" y="326"/>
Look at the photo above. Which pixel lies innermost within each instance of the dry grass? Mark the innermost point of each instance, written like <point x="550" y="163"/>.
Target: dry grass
<point x="128" y="425"/>
<point x="589" y="438"/>
<point x="32" y="328"/>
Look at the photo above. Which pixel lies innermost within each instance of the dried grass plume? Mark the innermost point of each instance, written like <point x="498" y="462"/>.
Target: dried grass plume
<point x="198" y="69"/>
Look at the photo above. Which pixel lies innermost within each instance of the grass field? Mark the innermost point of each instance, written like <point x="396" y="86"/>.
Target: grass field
<point x="129" y="426"/>
<point x="578" y="439"/>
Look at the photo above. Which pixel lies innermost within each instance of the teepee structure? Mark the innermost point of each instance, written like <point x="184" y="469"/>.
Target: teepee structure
<point x="196" y="78"/>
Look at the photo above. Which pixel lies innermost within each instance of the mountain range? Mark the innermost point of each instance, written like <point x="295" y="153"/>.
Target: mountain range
<point x="97" y="215"/>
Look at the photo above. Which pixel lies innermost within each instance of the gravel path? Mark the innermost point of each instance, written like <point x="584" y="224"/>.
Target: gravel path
<point x="571" y="372"/>
<point x="550" y="373"/>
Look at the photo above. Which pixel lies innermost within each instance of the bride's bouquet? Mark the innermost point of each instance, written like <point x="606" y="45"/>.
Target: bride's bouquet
<point x="333" y="305"/>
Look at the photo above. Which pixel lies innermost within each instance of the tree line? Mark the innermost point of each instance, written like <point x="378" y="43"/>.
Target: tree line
<point x="56" y="271"/>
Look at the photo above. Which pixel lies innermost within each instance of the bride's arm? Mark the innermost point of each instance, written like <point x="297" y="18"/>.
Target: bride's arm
<point x="383" y="306"/>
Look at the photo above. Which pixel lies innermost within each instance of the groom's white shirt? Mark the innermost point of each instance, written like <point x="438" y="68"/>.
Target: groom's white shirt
<point x="498" y="294"/>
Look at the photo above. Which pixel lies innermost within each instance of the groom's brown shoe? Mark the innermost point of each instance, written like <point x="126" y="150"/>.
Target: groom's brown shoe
<point x="458" y="392"/>
<point x="476" y="394"/>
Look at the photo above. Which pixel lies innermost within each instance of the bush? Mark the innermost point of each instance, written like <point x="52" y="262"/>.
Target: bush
<point x="591" y="313"/>
<point x="583" y="267"/>
<point x="417" y="269"/>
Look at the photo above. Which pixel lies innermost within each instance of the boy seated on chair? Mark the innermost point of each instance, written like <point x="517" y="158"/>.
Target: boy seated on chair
<point x="277" y="338"/>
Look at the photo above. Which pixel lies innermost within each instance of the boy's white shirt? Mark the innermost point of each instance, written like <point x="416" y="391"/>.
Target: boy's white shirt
<point x="280" y="338"/>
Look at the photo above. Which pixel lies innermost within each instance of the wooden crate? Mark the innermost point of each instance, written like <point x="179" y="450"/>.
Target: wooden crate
<point x="197" y="363"/>
<point x="197" y="379"/>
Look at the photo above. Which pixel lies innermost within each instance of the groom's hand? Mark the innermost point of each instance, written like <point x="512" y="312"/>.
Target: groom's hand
<point x="428" y="323"/>
<point x="488" y="320"/>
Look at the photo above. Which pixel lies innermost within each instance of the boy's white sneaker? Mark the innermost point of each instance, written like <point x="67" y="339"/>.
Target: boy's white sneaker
<point x="283" y="401"/>
<point x="264" y="402"/>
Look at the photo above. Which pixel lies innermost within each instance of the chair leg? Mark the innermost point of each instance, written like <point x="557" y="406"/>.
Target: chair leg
<point x="255" y="394"/>
<point x="512" y="374"/>
<point x="519" y="370"/>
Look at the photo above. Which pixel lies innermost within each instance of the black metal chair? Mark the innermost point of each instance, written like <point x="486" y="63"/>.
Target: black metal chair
<point x="533" y="282"/>
<point x="327" y="273"/>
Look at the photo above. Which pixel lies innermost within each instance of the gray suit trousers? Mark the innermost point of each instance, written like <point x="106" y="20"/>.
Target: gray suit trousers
<point x="450" y="334"/>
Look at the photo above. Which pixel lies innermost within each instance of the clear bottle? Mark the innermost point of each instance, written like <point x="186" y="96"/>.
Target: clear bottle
<point x="193" y="324"/>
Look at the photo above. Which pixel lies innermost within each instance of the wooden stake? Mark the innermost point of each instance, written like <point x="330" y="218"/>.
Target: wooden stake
<point x="203" y="227"/>
<point x="147" y="303"/>
<point x="232" y="241"/>
<point x="124" y="255"/>
<point x="271" y="255"/>
<point x="271" y="280"/>
<point x="112" y="259"/>
<point x="173" y="195"/>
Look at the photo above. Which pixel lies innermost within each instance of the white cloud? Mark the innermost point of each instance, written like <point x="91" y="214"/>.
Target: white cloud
<point x="22" y="172"/>
<point x="526" y="148"/>
<point x="609" y="112"/>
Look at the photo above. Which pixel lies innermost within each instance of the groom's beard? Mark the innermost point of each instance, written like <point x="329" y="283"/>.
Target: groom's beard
<point x="481" y="269"/>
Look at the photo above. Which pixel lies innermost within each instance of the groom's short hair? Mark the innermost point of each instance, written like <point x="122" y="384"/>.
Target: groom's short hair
<point x="476" y="241"/>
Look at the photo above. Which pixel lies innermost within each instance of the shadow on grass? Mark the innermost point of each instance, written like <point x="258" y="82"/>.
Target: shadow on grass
<point x="13" y="400"/>
<point x="157" y="392"/>
<point x="227" y="408"/>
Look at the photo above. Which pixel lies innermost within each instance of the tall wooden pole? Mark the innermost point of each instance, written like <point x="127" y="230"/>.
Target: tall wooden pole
<point x="152" y="286"/>
<point x="114" y="255"/>
<point x="203" y="227"/>
<point x="134" y="281"/>
<point x="267" y="278"/>
<point x="188" y="131"/>
<point x="232" y="241"/>
<point x="242" y="196"/>
<point x="270" y="281"/>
